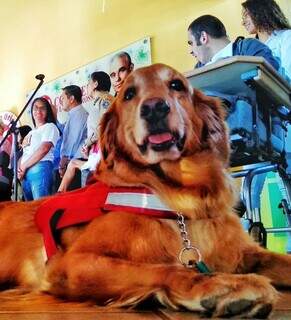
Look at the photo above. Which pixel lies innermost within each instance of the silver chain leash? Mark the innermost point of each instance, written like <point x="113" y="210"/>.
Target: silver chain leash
<point x="198" y="264"/>
<point x="186" y="244"/>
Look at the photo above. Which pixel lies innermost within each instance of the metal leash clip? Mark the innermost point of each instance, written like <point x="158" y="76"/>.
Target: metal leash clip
<point x="190" y="263"/>
<point x="198" y="264"/>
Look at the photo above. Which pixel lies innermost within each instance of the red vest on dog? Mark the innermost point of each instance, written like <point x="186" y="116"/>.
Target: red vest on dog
<point x="83" y="205"/>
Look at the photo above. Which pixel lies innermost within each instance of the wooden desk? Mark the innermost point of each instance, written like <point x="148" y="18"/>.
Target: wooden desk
<point x="225" y="76"/>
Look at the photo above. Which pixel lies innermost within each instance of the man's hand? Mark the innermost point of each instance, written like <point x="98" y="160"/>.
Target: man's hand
<point x="63" y="166"/>
<point x="85" y="151"/>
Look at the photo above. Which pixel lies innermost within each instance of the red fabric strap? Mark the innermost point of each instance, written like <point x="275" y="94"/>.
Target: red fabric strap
<point x="83" y="205"/>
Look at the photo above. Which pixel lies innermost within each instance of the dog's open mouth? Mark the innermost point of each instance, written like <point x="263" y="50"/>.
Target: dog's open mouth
<point x="163" y="141"/>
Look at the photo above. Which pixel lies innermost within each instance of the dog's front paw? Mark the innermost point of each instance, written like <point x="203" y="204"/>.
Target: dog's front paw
<point x="247" y="296"/>
<point x="224" y="295"/>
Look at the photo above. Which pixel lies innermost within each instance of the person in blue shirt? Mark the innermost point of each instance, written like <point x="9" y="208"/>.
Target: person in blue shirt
<point x="75" y="130"/>
<point x="208" y="42"/>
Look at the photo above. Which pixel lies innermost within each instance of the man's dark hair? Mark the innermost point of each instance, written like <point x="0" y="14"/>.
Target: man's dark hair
<point x="209" y="24"/>
<point x="74" y="91"/>
<point x="103" y="79"/>
<point x="266" y="15"/>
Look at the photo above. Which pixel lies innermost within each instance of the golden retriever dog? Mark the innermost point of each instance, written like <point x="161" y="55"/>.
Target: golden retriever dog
<point x="162" y="135"/>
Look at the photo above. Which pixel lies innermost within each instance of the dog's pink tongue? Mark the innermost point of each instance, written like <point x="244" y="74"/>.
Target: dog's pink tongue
<point x="160" y="138"/>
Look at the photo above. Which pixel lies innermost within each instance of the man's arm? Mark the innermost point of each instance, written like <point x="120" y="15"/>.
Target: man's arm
<point x="254" y="47"/>
<point x="63" y="165"/>
<point x="286" y="55"/>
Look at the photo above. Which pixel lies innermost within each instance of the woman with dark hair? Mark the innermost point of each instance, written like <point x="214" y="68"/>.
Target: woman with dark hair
<point x="265" y="19"/>
<point x="98" y="89"/>
<point x="36" y="163"/>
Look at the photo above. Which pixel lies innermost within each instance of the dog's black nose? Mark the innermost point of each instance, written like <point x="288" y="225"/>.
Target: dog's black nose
<point x="154" y="109"/>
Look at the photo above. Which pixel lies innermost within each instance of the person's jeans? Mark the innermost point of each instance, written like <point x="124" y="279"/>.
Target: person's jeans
<point x="38" y="181"/>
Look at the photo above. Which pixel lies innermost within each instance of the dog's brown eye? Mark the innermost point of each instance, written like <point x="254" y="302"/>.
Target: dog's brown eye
<point x="129" y="93"/>
<point x="177" y="85"/>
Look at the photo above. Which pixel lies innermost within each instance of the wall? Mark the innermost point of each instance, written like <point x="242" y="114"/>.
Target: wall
<point x="57" y="36"/>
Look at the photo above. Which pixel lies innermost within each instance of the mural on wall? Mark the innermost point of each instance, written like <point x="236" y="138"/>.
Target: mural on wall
<point x="6" y="117"/>
<point x="139" y="51"/>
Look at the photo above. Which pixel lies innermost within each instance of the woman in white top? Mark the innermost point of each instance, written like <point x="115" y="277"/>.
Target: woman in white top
<point x="265" y="19"/>
<point x="36" y="163"/>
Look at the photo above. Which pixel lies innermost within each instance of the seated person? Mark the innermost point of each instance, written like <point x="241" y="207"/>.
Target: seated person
<point x="98" y="89"/>
<point x="209" y="43"/>
<point x="266" y="20"/>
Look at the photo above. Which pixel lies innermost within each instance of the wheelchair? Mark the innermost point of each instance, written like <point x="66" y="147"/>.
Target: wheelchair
<point x="258" y="129"/>
<point x="255" y="95"/>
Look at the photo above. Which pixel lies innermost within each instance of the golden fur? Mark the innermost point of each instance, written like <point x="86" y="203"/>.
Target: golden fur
<point x="162" y="134"/>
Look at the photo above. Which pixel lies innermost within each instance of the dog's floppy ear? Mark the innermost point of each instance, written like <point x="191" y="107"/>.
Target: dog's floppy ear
<point x="214" y="132"/>
<point x="108" y="127"/>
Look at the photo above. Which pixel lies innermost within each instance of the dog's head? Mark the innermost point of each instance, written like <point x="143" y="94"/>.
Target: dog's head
<point x="157" y="117"/>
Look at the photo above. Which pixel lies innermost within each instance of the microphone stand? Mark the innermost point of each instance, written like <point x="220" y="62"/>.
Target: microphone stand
<point x="14" y="130"/>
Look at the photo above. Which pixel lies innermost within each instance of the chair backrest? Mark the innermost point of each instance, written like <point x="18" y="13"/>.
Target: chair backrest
<point x="250" y="140"/>
<point x="4" y="159"/>
<point x="5" y="171"/>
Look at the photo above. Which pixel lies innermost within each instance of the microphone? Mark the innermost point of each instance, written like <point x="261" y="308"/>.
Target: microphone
<point x="39" y="77"/>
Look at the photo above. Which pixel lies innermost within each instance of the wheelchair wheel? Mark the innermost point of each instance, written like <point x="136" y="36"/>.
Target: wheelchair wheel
<point x="240" y="208"/>
<point x="258" y="233"/>
<point x="284" y="205"/>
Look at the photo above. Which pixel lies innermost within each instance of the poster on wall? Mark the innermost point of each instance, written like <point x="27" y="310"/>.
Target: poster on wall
<point x="6" y="117"/>
<point x="140" y="55"/>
